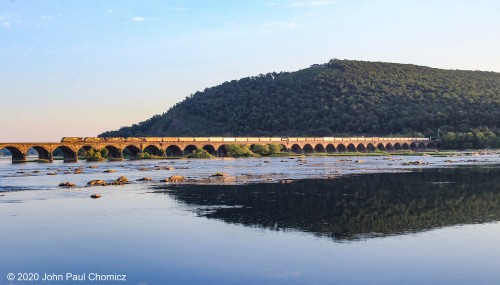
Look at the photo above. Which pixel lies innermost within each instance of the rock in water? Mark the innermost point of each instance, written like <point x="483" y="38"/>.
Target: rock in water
<point x="173" y="179"/>
<point x="97" y="183"/>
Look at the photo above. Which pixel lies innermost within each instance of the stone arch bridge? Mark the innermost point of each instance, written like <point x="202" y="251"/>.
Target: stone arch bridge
<point x="180" y="146"/>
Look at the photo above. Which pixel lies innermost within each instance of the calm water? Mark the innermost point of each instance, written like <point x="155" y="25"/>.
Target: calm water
<point x="432" y="224"/>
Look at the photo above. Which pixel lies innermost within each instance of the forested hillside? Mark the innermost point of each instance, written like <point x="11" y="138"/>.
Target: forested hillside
<point x="340" y="98"/>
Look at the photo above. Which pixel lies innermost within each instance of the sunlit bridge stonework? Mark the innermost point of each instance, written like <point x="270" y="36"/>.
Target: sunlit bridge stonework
<point x="181" y="146"/>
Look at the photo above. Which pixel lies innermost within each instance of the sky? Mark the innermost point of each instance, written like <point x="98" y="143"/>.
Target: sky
<point x="78" y="68"/>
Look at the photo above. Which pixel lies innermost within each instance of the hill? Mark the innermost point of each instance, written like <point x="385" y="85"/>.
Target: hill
<point x="340" y="98"/>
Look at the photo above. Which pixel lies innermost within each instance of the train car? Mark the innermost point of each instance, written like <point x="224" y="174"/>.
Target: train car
<point x="72" y="139"/>
<point x="153" y="139"/>
<point x="170" y="139"/>
<point x="93" y="139"/>
<point x="186" y="139"/>
<point x="228" y="139"/>
<point x="328" y="139"/>
<point x="292" y="139"/>
<point x="201" y="139"/>
<point x="275" y="139"/>
<point x="132" y="139"/>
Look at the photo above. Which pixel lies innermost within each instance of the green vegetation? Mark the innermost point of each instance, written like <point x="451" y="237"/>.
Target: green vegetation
<point x="94" y="155"/>
<point x="239" y="150"/>
<point x="340" y="98"/>
<point x="147" y="155"/>
<point x="267" y="149"/>
<point x="477" y="138"/>
<point x="104" y="153"/>
<point x="199" y="153"/>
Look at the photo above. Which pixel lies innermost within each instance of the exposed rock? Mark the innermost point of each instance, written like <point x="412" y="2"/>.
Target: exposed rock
<point x="360" y="161"/>
<point x="109" y="171"/>
<point x="66" y="184"/>
<point x="51" y="173"/>
<point x="219" y="174"/>
<point x="36" y="171"/>
<point x="97" y="183"/>
<point x="169" y="168"/>
<point x="78" y="171"/>
<point x="173" y="179"/>
<point x="286" y="181"/>
<point x="122" y="179"/>
<point x="95" y="196"/>
<point x="144" y="179"/>
<point x="415" y="163"/>
<point x="93" y="166"/>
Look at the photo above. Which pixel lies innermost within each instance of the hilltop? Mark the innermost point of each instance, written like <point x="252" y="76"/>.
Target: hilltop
<point x="339" y="98"/>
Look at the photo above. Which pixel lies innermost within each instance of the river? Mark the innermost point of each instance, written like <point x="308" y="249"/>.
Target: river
<point x="331" y="220"/>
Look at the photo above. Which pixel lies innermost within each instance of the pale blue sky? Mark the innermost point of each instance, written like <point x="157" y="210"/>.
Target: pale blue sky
<point x="77" y="68"/>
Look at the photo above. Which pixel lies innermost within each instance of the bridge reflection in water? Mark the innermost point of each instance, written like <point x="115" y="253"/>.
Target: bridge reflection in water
<point x="355" y="207"/>
<point x="180" y="146"/>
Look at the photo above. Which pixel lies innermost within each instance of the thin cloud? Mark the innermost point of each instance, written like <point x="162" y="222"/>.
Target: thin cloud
<point x="314" y="3"/>
<point x="4" y="22"/>
<point x="138" y="19"/>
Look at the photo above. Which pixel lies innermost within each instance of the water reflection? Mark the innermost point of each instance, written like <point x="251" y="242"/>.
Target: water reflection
<point x="356" y="207"/>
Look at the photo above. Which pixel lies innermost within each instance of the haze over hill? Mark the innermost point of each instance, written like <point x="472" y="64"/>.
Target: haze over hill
<point x="341" y="97"/>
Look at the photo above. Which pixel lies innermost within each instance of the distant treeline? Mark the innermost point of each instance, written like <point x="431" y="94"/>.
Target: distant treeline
<point x="342" y="98"/>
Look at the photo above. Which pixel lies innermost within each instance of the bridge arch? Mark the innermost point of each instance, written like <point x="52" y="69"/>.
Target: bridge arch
<point x="341" y="148"/>
<point x="397" y="147"/>
<point x="370" y="147"/>
<point x="210" y="149"/>
<point x="405" y="146"/>
<point x="189" y="149"/>
<point x="351" y="148"/>
<point x="389" y="147"/>
<point x="132" y="151"/>
<point x="283" y="148"/>
<point x="319" y="148"/>
<point x="69" y="155"/>
<point x="43" y="153"/>
<point x="153" y="150"/>
<point x="296" y="148"/>
<point x="114" y="153"/>
<point x="381" y="147"/>
<point x="413" y="147"/>
<point x="361" y="148"/>
<point x="173" y="150"/>
<point x="308" y="148"/>
<point x="421" y="146"/>
<point x="17" y="155"/>
<point x="330" y="148"/>
<point x="222" y="150"/>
